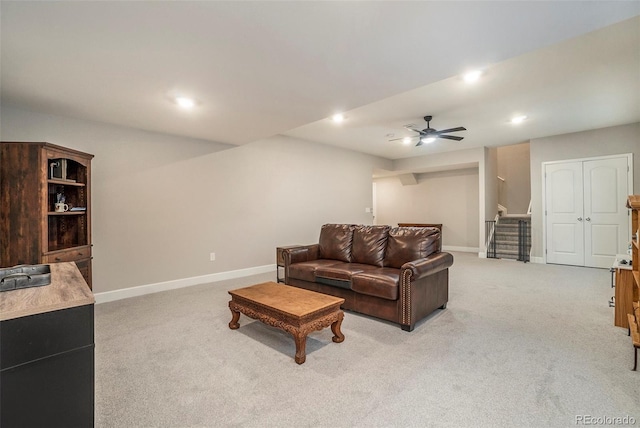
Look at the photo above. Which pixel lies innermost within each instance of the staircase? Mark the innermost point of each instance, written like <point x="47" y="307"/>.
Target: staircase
<point x="508" y="242"/>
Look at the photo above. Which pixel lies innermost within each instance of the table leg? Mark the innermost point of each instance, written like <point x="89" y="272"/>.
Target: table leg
<point x="301" y="346"/>
<point x="335" y="328"/>
<point x="233" y="325"/>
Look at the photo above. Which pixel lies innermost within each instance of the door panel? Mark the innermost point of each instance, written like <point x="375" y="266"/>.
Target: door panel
<point x="564" y="238"/>
<point x="565" y="228"/>
<point x="604" y="240"/>
<point x="606" y="217"/>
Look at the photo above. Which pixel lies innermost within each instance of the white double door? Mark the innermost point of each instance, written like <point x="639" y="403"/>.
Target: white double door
<point x="587" y="222"/>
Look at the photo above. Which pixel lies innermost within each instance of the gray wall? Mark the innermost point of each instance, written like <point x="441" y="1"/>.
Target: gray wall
<point x="600" y="142"/>
<point x="161" y="204"/>
<point x="479" y="157"/>
<point x="447" y="197"/>
<point x="514" y="165"/>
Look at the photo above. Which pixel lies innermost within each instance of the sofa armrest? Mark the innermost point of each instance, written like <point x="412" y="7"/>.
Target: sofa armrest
<point x="429" y="265"/>
<point x="303" y="253"/>
<point x="424" y="286"/>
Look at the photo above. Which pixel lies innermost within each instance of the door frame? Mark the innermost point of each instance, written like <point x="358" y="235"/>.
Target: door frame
<point x="629" y="157"/>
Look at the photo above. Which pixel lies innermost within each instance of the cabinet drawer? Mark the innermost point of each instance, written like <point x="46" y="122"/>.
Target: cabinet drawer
<point x="38" y="336"/>
<point x="71" y="255"/>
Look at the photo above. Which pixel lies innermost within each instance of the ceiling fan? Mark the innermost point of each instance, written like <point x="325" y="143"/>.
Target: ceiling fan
<point x="429" y="135"/>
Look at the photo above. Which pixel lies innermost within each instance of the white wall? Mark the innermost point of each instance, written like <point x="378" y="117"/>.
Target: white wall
<point x="600" y="142"/>
<point x="447" y="197"/>
<point x="514" y="165"/>
<point x="161" y="204"/>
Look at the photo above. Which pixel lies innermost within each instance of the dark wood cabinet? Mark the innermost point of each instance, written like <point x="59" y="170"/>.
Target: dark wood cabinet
<point x="47" y="357"/>
<point x="34" y="177"/>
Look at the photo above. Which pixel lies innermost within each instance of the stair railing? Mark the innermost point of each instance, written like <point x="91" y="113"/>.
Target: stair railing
<point x="523" y="240"/>
<point x="490" y="244"/>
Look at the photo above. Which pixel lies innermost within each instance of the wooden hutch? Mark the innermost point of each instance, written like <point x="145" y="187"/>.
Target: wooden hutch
<point x="33" y="178"/>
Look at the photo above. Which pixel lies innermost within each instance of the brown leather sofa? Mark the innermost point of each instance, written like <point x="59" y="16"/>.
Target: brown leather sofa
<point x="397" y="274"/>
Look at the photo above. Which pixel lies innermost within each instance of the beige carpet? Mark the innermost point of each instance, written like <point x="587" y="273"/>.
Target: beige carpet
<point x="523" y="345"/>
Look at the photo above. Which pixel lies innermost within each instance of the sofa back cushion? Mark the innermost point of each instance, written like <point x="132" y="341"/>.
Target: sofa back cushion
<point x="336" y="241"/>
<point x="369" y="244"/>
<point x="410" y="243"/>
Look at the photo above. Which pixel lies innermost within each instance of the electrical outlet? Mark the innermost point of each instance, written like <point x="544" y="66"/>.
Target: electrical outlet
<point x="212" y="257"/>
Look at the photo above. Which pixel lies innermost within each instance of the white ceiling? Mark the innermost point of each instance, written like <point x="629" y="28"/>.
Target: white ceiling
<point x="259" y="69"/>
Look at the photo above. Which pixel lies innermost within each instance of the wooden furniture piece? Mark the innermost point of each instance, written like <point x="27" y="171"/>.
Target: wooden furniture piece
<point x="47" y="353"/>
<point x="624" y="291"/>
<point x="33" y="178"/>
<point x="280" y="261"/>
<point x="437" y="225"/>
<point x="633" y="203"/>
<point x="291" y="309"/>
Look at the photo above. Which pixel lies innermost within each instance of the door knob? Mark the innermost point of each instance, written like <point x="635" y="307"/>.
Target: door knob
<point x="588" y="218"/>
<point x="579" y="218"/>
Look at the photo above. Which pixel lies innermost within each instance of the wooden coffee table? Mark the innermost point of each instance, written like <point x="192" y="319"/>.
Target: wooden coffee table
<point x="294" y="310"/>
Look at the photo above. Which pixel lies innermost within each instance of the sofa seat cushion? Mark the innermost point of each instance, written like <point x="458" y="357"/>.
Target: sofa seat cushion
<point x="369" y="244"/>
<point x="407" y="244"/>
<point x="377" y="282"/>
<point x="335" y="242"/>
<point x="341" y="271"/>
<point x="306" y="271"/>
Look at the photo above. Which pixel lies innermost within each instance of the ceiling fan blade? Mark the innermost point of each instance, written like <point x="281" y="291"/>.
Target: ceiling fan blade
<point x="414" y="130"/>
<point x="450" y="137"/>
<point x="459" y="128"/>
<point x="419" y="143"/>
<point x="402" y="138"/>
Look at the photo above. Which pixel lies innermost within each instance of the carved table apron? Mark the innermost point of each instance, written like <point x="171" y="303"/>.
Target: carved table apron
<point x="294" y="310"/>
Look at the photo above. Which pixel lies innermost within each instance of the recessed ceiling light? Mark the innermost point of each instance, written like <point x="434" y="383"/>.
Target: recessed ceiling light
<point x="406" y="140"/>
<point x="185" y="102"/>
<point x="518" y="119"/>
<point x="472" y="76"/>
<point x="338" y="117"/>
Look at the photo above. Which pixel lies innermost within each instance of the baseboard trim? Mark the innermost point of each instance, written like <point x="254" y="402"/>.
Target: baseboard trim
<point x="125" y="293"/>
<point x="537" y="260"/>
<point x="461" y="249"/>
